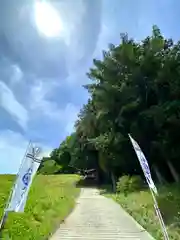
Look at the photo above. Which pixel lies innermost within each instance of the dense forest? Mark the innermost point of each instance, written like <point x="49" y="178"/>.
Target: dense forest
<point x="134" y="89"/>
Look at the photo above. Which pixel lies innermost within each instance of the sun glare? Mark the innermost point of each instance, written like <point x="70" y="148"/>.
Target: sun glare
<point x="47" y="19"/>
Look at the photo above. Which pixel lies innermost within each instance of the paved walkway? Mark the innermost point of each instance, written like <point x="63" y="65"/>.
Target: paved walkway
<point x="98" y="218"/>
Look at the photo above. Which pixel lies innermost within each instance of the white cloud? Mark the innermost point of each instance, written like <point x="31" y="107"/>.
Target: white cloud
<point x="38" y="99"/>
<point x="12" y="149"/>
<point x="9" y="102"/>
<point x="71" y="13"/>
<point x="103" y="40"/>
<point x="65" y="116"/>
<point x="45" y="152"/>
<point x="70" y="116"/>
<point x="109" y="34"/>
<point x="17" y="74"/>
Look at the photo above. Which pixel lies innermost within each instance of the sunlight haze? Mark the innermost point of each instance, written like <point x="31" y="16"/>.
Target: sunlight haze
<point x="47" y="19"/>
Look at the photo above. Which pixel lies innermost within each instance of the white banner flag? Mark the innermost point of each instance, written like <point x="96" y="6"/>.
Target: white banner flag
<point x="144" y="164"/>
<point x="25" y="176"/>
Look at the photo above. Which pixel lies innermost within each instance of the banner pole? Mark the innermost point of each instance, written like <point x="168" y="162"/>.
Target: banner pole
<point x="2" y="223"/>
<point x="145" y="167"/>
<point x="163" y="226"/>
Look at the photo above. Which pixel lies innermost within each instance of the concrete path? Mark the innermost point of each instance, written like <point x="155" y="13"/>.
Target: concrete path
<point x="98" y="218"/>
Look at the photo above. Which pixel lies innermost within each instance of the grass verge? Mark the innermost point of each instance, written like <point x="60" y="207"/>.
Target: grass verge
<point x="50" y="200"/>
<point x="140" y="206"/>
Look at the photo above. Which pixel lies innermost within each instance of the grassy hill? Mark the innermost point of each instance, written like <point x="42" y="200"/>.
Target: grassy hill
<point x="50" y="200"/>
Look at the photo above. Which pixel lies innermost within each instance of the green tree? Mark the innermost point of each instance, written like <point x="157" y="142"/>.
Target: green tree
<point x="134" y="89"/>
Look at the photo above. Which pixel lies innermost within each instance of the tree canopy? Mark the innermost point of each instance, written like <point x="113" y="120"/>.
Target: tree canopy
<point x="135" y="88"/>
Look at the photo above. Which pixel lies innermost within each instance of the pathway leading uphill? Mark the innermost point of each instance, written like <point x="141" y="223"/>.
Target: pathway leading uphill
<point x="98" y="218"/>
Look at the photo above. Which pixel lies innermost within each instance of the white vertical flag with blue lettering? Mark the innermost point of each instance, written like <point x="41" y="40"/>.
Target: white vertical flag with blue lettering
<point x="25" y="176"/>
<point x="144" y="164"/>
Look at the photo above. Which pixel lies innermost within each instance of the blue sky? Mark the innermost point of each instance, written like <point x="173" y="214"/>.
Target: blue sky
<point x="41" y="77"/>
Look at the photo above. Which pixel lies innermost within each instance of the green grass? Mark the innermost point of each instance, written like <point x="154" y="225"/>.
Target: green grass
<point x="50" y="200"/>
<point x="49" y="167"/>
<point x="140" y="206"/>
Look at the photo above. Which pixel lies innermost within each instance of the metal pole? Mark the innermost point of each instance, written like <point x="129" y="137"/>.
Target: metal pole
<point x="163" y="227"/>
<point x="3" y="221"/>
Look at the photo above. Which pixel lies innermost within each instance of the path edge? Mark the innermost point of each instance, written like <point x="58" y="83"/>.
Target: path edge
<point x="68" y="214"/>
<point x="141" y="228"/>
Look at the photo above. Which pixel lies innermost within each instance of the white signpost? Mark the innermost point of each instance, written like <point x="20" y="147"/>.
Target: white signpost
<point x="152" y="187"/>
<point x="18" y="197"/>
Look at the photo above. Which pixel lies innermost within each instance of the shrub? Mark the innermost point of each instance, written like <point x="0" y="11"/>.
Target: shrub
<point x="136" y="183"/>
<point x="128" y="184"/>
<point x="169" y="203"/>
<point x="123" y="184"/>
